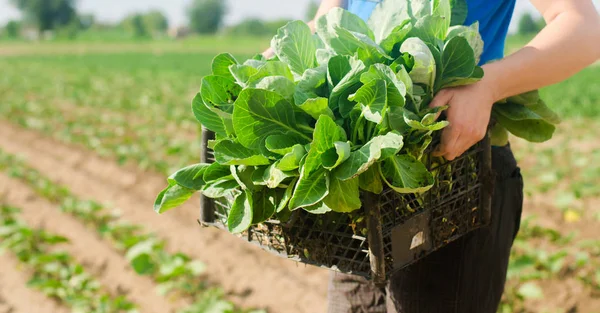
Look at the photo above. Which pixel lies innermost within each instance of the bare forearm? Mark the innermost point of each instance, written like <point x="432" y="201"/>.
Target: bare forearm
<point x="569" y="43"/>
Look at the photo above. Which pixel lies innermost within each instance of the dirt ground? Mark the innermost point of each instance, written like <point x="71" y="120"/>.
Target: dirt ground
<point x="250" y="277"/>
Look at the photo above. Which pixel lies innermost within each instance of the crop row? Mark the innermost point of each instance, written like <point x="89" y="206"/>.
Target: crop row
<point x="565" y="173"/>
<point x="136" y="114"/>
<point x="559" y="257"/>
<point x="56" y="274"/>
<point x="177" y="275"/>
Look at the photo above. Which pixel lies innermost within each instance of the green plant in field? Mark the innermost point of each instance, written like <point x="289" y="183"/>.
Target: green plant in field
<point x="55" y="274"/>
<point x="338" y="113"/>
<point x="115" y="88"/>
<point x="177" y="274"/>
<point x="562" y="256"/>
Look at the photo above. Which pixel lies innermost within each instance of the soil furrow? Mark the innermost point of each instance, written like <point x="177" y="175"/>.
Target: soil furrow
<point x="16" y="297"/>
<point x="253" y="277"/>
<point x="110" y="268"/>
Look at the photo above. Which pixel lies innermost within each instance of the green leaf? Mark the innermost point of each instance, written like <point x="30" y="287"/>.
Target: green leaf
<point x="499" y="136"/>
<point x="417" y="149"/>
<point x="272" y="68"/>
<point x="319" y="208"/>
<point x="228" y="152"/>
<point x="337" y="19"/>
<point x="140" y="258"/>
<point x="219" y="92"/>
<point x="171" y="197"/>
<point x="220" y="188"/>
<point x="424" y="68"/>
<point x="264" y="206"/>
<point x="460" y="11"/>
<point x="533" y="130"/>
<point x="471" y="34"/>
<point x="371" y="181"/>
<point x="279" y="84"/>
<point x="398" y="35"/>
<point x="532" y="101"/>
<point x="458" y="81"/>
<point x="380" y="147"/>
<point x="241" y="214"/>
<point x="273" y="176"/>
<point x="427" y="123"/>
<point x="343" y="195"/>
<point x="405" y="174"/>
<point x="291" y="161"/>
<point x="516" y="112"/>
<point x="348" y="34"/>
<point x="287" y="195"/>
<point x="259" y="114"/>
<point x="310" y="189"/>
<point x="207" y="117"/>
<point x="242" y="73"/>
<point x="221" y="64"/>
<point x="295" y="46"/>
<point x="387" y="17"/>
<point x="396" y="84"/>
<point x="281" y="144"/>
<point x="324" y="55"/>
<point x="215" y="172"/>
<point x="530" y="290"/>
<point x="420" y="8"/>
<point x="372" y="98"/>
<point x="316" y="107"/>
<point x="338" y="67"/>
<point x="458" y="60"/>
<point x="348" y="84"/>
<point x="443" y="9"/>
<point x="243" y="176"/>
<point x="311" y="84"/>
<point x="258" y="176"/>
<point x="368" y="51"/>
<point x="257" y="62"/>
<point x="333" y="157"/>
<point x="432" y="29"/>
<point x="327" y="132"/>
<point x="191" y="177"/>
<point x="143" y="265"/>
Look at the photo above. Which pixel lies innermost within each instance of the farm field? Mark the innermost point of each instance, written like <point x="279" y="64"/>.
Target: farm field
<point x="88" y="133"/>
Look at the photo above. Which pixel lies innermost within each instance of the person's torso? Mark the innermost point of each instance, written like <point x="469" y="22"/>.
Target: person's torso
<point x="494" y="18"/>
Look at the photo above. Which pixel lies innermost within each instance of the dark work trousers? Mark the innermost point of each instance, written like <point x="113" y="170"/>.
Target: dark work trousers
<point x="466" y="276"/>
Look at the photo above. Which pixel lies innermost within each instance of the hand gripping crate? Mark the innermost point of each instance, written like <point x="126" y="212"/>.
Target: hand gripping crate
<point x="390" y="232"/>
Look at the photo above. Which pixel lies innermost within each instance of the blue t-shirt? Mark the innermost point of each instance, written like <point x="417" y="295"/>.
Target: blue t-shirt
<point x="494" y="17"/>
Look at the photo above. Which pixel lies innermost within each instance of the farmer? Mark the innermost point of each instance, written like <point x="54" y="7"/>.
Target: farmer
<point x="468" y="275"/>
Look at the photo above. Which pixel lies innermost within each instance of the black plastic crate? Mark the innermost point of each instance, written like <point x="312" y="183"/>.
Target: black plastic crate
<point x="391" y="231"/>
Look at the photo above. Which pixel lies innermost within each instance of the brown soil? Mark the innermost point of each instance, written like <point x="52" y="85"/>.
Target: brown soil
<point x="563" y="293"/>
<point x="16" y="297"/>
<point x="110" y="268"/>
<point x="251" y="277"/>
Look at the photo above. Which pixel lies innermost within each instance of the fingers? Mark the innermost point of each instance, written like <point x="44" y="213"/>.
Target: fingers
<point x="441" y="99"/>
<point x="450" y="136"/>
<point x="269" y="53"/>
<point x="458" y="139"/>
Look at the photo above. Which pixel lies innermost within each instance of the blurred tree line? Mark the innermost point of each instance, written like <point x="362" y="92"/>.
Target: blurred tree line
<point x="61" y="19"/>
<point x="528" y="25"/>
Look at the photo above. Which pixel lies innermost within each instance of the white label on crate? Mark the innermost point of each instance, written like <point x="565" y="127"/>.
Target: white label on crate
<point x="417" y="240"/>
